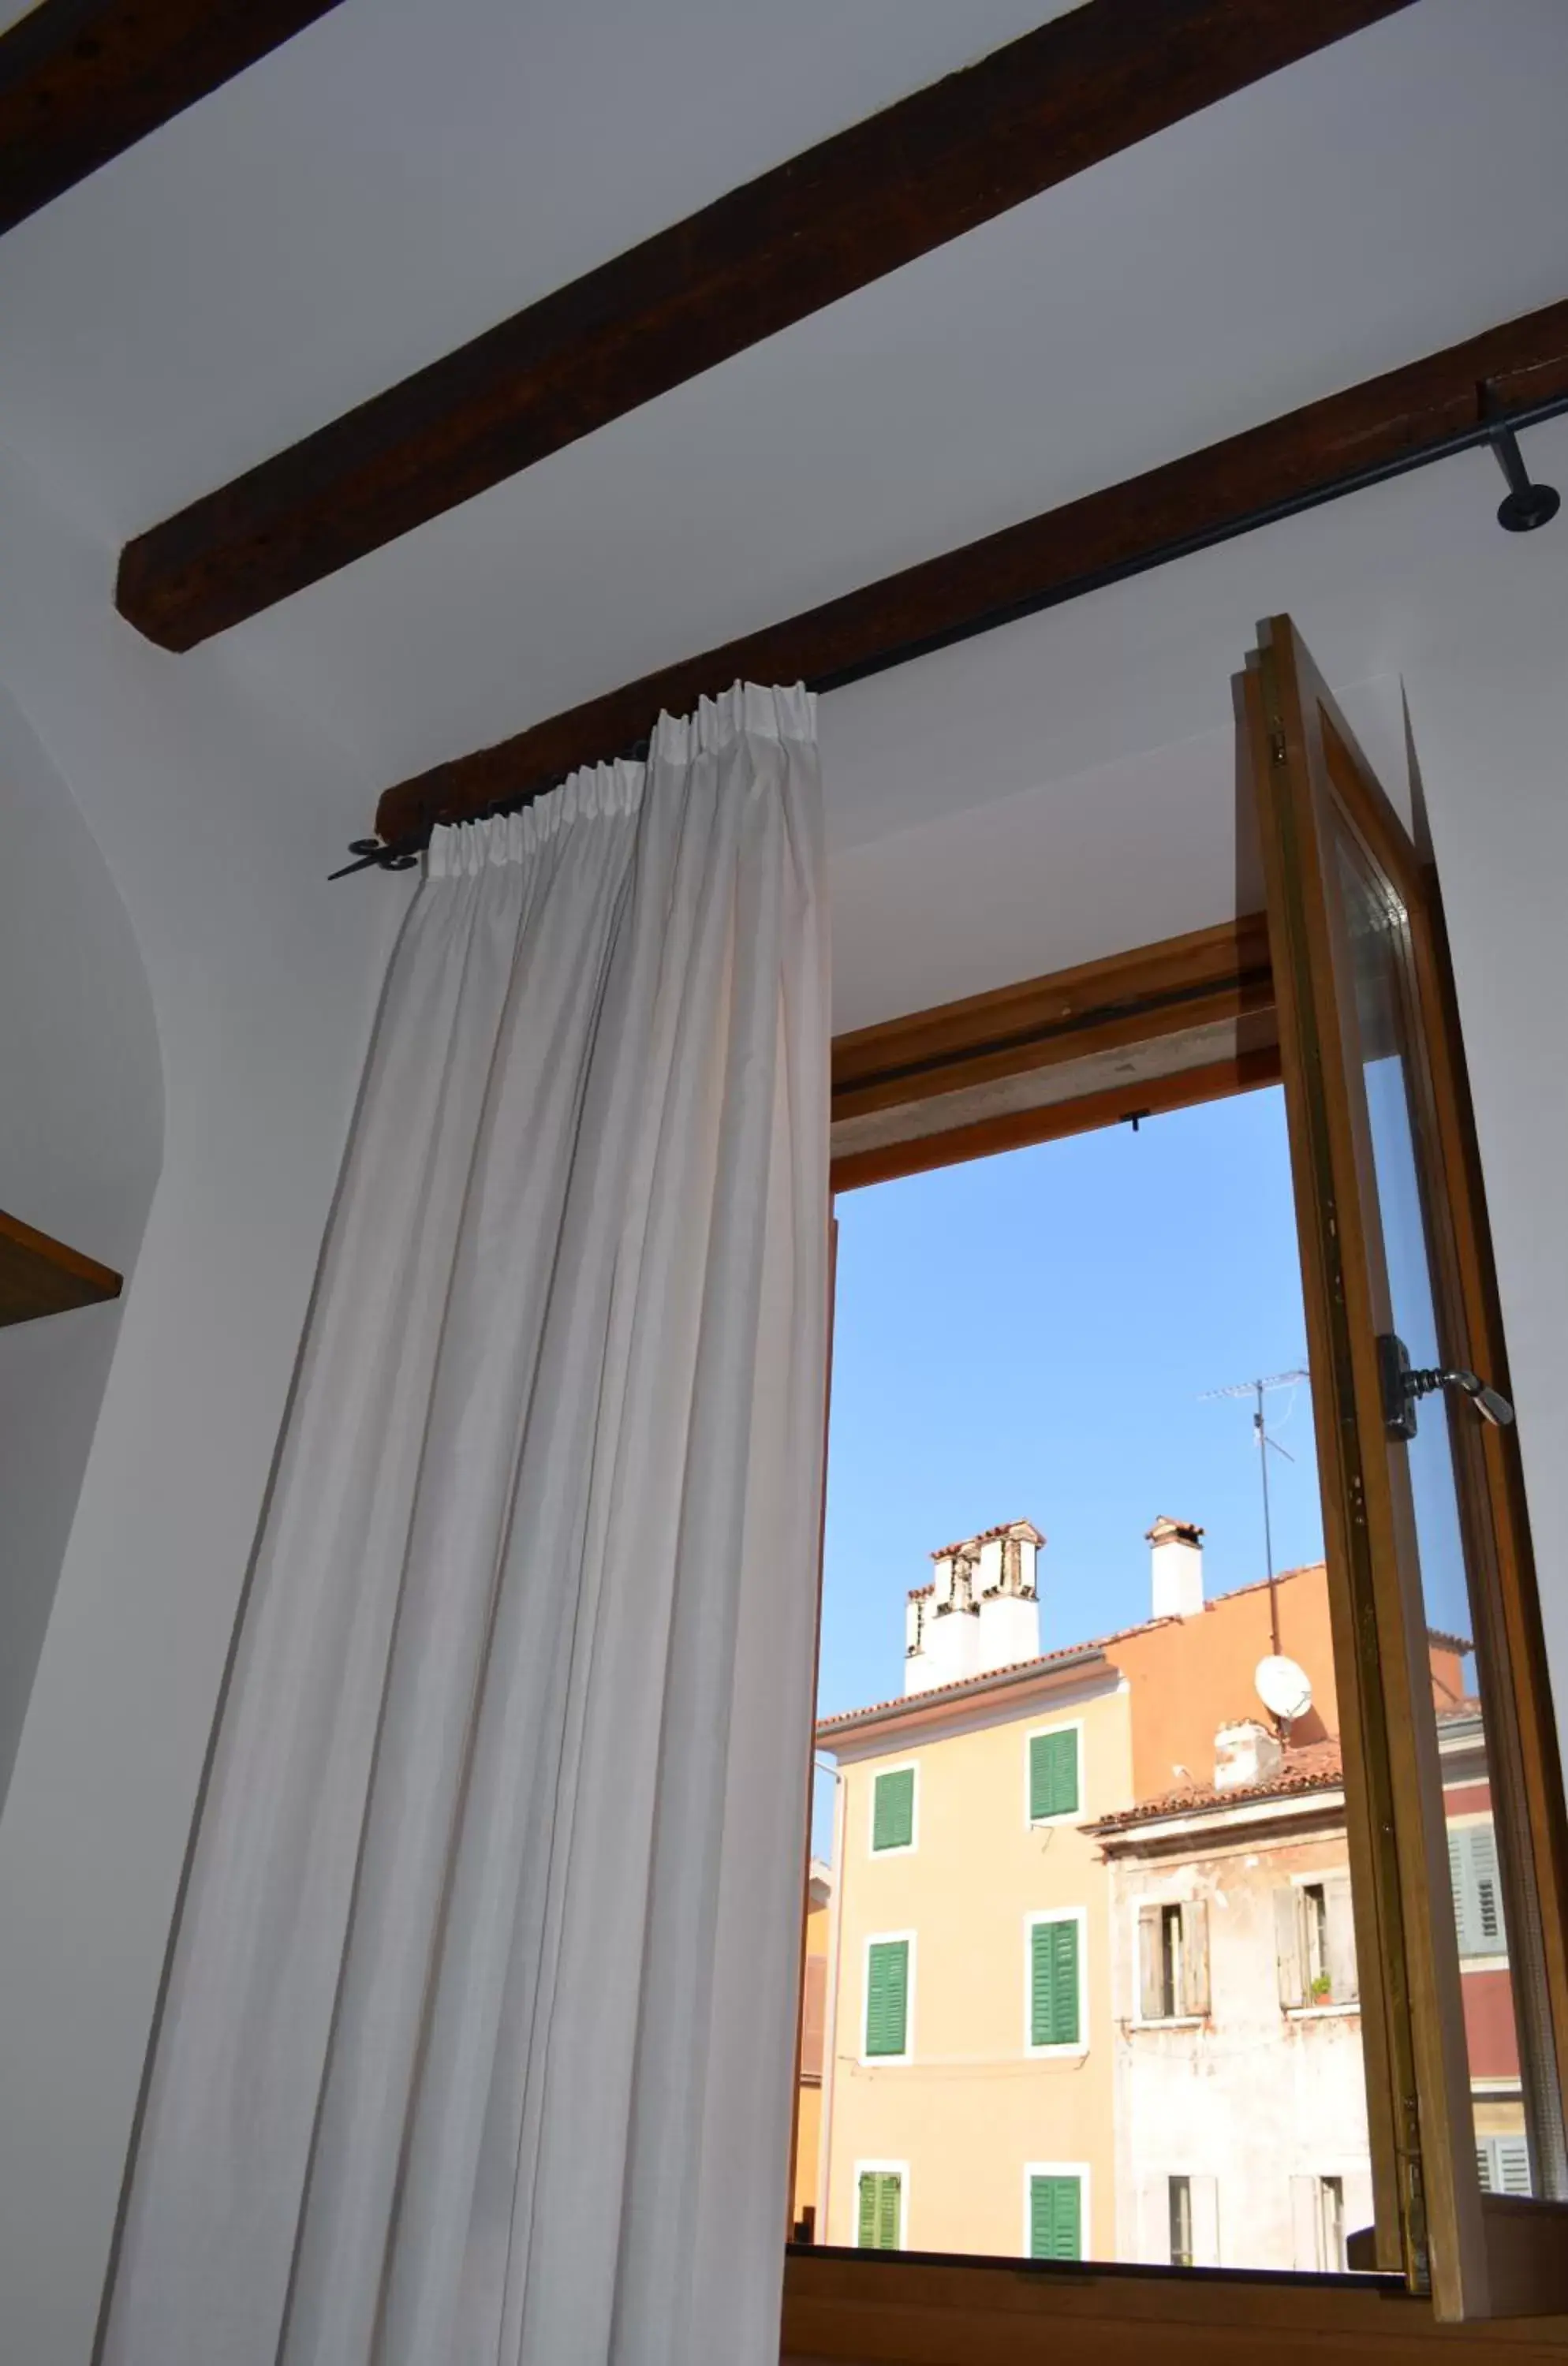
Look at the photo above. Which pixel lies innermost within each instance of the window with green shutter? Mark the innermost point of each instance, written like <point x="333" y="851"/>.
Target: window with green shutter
<point x="881" y="2206"/>
<point x="887" y="1998"/>
<point x="893" y="1809"/>
<point x="1052" y="1775"/>
<point x="1056" y="2217"/>
<point x="1053" y="2015"/>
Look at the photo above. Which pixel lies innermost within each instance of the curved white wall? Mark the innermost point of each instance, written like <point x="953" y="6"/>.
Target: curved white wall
<point x="218" y="823"/>
<point x="81" y="1093"/>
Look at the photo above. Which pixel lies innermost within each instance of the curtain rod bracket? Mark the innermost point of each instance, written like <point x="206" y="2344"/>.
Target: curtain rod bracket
<point x="375" y="856"/>
<point x="1525" y="504"/>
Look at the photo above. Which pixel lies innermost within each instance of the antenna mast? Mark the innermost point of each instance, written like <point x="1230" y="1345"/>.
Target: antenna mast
<point x="1256" y="1391"/>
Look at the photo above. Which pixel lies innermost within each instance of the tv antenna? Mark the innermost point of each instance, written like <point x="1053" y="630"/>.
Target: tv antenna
<point x="1258" y="1391"/>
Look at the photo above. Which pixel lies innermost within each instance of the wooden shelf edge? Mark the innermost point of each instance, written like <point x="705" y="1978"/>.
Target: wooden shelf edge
<point x="41" y="1276"/>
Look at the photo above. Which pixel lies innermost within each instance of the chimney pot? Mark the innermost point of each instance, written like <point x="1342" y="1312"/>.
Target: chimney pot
<point x="1245" y="1753"/>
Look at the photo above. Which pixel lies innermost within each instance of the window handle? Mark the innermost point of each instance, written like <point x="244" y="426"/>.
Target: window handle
<point x="1405" y="1384"/>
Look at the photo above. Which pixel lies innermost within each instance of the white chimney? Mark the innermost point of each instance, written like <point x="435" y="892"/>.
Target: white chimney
<point x="1010" y="1611"/>
<point x="943" y="1626"/>
<point x="980" y="1611"/>
<point x="1245" y="1753"/>
<point x="1175" y="1561"/>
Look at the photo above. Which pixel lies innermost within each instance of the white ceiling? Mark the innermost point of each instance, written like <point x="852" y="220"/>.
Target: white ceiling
<point x="408" y="171"/>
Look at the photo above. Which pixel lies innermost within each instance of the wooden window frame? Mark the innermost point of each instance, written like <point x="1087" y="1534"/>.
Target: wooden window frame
<point x="1159" y="1028"/>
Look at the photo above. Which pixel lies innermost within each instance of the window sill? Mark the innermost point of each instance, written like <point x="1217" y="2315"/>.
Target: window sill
<point x="1322" y="2012"/>
<point x="914" y="2309"/>
<point x="1172" y="2021"/>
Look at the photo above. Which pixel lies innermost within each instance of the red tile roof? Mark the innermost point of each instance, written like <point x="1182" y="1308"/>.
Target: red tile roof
<point x="981" y="1676"/>
<point x="1315" y="1766"/>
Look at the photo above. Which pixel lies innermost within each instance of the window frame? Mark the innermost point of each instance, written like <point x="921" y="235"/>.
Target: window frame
<point x="1080" y="2170"/>
<point x="1182" y="2178"/>
<point x="901" y="2170"/>
<point x="903" y="1848"/>
<point x="1074" y="1726"/>
<point x="869" y="2061"/>
<point x="1032" y="1918"/>
<point x="1185" y="2018"/>
<point x="1127" y="1002"/>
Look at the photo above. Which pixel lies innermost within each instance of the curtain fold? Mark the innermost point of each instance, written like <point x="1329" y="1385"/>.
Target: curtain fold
<point x="479" y="2033"/>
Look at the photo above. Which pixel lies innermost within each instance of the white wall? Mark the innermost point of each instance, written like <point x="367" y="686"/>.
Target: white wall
<point x="80" y="1137"/>
<point x="218" y="824"/>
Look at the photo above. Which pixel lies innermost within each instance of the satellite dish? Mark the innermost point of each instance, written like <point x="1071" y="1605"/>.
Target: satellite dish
<point x="1284" y="1689"/>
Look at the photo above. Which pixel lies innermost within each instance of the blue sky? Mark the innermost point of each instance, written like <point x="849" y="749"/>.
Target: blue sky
<point x="1031" y="1336"/>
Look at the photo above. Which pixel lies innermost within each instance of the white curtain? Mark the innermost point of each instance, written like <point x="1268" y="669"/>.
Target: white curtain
<point x="479" y="2034"/>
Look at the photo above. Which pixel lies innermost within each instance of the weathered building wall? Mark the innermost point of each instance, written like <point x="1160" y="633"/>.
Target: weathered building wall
<point x="1253" y="2095"/>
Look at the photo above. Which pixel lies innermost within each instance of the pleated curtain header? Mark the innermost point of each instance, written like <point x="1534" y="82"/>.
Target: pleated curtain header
<point x="747" y="710"/>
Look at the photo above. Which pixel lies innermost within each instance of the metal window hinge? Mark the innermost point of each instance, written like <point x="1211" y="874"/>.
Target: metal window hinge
<point x="1277" y="747"/>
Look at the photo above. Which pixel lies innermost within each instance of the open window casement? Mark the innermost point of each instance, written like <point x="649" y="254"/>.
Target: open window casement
<point x="1173" y="1961"/>
<point x="1423" y="1511"/>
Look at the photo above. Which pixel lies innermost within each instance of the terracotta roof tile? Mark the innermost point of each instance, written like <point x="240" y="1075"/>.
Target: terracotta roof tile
<point x="964" y="1683"/>
<point x="1315" y="1766"/>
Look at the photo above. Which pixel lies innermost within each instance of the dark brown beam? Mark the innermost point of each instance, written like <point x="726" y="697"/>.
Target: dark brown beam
<point x="83" y="80"/>
<point x="1091" y="83"/>
<point x="1376" y="430"/>
<point x="40" y="1275"/>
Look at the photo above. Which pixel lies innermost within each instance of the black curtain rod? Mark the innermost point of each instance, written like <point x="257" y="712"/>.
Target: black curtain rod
<point x="1526" y="505"/>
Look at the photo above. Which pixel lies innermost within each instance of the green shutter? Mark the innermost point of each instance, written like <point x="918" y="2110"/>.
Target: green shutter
<point x="887" y="1998"/>
<point x="893" y="1810"/>
<point x="887" y="2211"/>
<point x="1053" y="1983"/>
<point x="1052" y="1775"/>
<point x="1056" y="2218"/>
<point x="880" y="2194"/>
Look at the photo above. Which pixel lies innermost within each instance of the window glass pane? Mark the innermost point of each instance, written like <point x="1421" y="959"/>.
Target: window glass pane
<point x="1131" y="1972"/>
<point x="1181" y="2204"/>
<point x="1385" y="1004"/>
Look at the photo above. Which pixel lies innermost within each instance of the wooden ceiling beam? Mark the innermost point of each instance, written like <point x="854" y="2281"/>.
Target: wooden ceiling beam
<point x="83" y="80"/>
<point x="1086" y="85"/>
<point x="1381" y="428"/>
